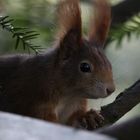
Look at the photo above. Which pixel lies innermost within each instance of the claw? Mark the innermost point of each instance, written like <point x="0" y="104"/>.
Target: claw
<point x="84" y="123"/>
<point x="90" y="121"/>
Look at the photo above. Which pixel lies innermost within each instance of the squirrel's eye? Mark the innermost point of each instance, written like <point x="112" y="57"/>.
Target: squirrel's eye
<point x="85" y="67"/>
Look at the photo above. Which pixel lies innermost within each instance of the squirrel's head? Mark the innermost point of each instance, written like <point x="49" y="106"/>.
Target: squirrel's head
<point x="83" y="66"/>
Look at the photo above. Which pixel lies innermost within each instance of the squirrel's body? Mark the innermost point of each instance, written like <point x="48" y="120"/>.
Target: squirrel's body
<point x="29" y="85"/>
<point x="55" y="86"/>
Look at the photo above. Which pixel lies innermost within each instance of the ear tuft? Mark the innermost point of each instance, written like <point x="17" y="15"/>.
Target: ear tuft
<point x="69" y="17"/>
<point x="100" y="23"/>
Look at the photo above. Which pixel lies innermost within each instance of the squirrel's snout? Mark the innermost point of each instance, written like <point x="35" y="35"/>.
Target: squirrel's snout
<point x="110" y="89"/>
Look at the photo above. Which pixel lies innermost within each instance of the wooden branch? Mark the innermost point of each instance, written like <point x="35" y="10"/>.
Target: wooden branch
<point x="129" y="130"/>
<point x="124" y="102"/>
<point x="124" y="11"/>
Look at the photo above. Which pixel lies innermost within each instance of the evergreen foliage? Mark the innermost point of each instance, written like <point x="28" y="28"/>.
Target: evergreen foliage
<point x="125" y="30"/>
<point x="23" y="35"/>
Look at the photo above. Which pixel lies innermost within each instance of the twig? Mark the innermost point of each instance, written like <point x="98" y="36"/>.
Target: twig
<point x="124" y="102"/>
<point x="124" y="11"/>
<point x="129" y="130"/>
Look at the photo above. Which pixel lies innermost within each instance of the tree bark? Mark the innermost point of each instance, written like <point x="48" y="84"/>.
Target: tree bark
<point x="129" y="130"/>
<point x="112" y="112"/>
<point x="123" y="103"/>
<point x="124" y="11"/>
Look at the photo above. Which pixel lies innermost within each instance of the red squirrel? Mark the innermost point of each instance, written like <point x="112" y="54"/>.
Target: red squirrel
<point x="55" y="86"/>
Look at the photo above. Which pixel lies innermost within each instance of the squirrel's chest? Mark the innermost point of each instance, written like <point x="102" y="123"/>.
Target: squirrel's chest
<point x="66" y="108"/>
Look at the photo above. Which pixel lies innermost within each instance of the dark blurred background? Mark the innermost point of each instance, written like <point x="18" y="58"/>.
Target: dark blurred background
<point x="122" y="47"/>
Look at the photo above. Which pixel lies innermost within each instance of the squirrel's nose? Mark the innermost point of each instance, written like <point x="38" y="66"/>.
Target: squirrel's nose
<point x="110" y="89"/>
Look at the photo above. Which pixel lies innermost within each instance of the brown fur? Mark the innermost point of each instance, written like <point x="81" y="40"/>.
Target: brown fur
<point x="69" y="17"/>
<point x="51" y="86"/>
<point x="100" y="22"/>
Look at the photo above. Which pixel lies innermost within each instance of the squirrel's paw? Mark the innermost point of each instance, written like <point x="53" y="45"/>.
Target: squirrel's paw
<point x="90" y="121"/>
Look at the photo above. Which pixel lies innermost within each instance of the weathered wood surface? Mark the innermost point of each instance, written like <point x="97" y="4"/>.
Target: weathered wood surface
<point x="127" y="130"/>
<point x="123" y="103"/>
<point x="14" y="127"/>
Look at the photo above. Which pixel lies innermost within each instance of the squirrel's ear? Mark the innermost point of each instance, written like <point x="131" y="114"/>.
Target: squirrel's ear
<point x="100" y="22"/>
<point x="69" y="17"/>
